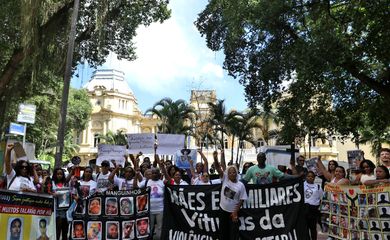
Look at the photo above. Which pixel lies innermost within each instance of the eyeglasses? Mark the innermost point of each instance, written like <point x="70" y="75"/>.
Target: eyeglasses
<point x="24" y="166"/>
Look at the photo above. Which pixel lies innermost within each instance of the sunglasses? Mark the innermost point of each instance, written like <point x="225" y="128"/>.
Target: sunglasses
<point x="24" y="166"/>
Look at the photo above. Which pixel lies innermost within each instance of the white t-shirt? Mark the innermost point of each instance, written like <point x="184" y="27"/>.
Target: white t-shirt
<point x="87" y="188"/>
<point x="103" y="184"/>
<point x="231" y="194"/>
<point x="182" y="182"/>
<point x="19" y="182"/>
<point x="313" y="193"/>
<point x="156" y="195"/>
<point x="124" y="184"/>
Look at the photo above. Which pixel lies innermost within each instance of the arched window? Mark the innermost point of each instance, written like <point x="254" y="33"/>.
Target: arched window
<point x="96" y="139"/>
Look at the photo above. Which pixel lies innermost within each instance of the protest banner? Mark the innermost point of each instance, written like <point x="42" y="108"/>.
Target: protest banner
<point x="109" y="152"/>
<point x="113" y="215"/>
<point x="356" y="212"/>
<point x="141" y="142"/>
<point x="183" y="156"/>
<point x="271" y="212"/>
<point x="26" y="216"/>
<point x="168" y="144"/>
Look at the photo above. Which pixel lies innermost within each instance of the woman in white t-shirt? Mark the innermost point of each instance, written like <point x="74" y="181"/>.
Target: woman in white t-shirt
<point x="233" y="194"/>
<point x="87" y="184"/>
<point x="313" y="194"/>
<point x="18" y="179"/>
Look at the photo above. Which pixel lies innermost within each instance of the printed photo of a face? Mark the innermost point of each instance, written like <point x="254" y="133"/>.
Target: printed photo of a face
<point x="63" y="199"/>
<point x="15" y="228"/>
<point x="126" y="206"/>
<point x="42" y="229"/>
<point x="78" y="230"/>
<point x="112" y="230"/>
<point x="127" y="230"/>
<point x="111" y="206"/>
<point x="142" y="203"/>
<point x="94" y="206"/>
<point x="84" y="191"/>
<point x="94" y="230"/>
<point x="142" y="227"/>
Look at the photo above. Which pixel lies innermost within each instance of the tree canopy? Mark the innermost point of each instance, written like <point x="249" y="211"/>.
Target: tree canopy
<point x="34" y="35"/>
<point x="306" y="53"/>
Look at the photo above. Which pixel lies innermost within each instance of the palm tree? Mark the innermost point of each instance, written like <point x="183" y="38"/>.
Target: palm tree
<point x="247" y="123"/>
<point x="118" y="138"/>
<point x="218" y="118"/>
<point x="176" y="116"/>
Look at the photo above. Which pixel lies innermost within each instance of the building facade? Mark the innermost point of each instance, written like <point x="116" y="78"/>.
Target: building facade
<point x="114" y="108"/>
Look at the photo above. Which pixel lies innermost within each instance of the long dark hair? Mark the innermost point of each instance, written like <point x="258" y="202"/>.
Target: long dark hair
<point x="83" y="177"/>
<point x="370" y="164"/>
<point x="54" y="177"/>
<point x="386" y="171"/>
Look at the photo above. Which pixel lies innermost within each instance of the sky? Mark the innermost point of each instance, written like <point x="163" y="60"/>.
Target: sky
<point x="172" y="59"/>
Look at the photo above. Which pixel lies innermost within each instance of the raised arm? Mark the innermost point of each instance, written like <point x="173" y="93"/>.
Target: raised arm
<point x="217" y="165"/>
<point x="324" y="171"/>
<point x="205" y="162"/>
<point x="7" y="159"/>
<point x="113" y="172"/>
<point x="192" y="168"/>
<point x="223" y="162"/>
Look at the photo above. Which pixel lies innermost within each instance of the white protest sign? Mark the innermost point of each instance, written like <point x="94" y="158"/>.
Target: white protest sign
<point x="111" y="152"/>
<point x="168" y="144"/>
<point x="141" y="142"/>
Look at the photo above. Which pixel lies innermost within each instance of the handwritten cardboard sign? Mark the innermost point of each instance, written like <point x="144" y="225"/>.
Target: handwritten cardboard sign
<point x="141" y="142"/>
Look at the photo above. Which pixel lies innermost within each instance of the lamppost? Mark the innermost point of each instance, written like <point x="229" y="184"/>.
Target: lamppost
<point x="65" y="91"/>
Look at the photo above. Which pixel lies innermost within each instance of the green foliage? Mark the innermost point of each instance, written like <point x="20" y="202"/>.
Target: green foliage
<point x="34" y="36"/>
<point x="79" y="110"/>
<point x="176" y="116"/>
<point x="324" y="63"/>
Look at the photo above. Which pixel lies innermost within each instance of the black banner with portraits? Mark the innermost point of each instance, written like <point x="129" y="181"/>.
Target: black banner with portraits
<point x="270" y="212"/>
<point x="113" y="215"/>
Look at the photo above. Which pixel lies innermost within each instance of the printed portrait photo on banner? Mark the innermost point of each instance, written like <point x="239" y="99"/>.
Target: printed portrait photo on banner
<point x="385" y="226"/>
<point x="126" y="206"/>
<point x="383" y="198"/>
<point x="111" y="206"/>
<point x="78" y="231"/>
<point x="15" y="228"/>
<point x="384" y="212"/>
<point x="94" y="206"/>
<point x="94" y="230"/>
<point x="112" y="230"/>
<point x="85" y="190"/>
<point x="80" y="207"/>
<point x="142" y="203"/>
<point x="127" y="230"/>
<point x="63" y="198"/>
<point x="42" y="229"/>
<point x="142" y="227"/>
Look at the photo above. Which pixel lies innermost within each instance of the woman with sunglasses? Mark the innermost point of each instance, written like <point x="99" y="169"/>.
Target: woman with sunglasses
<point x="18" y="179"/>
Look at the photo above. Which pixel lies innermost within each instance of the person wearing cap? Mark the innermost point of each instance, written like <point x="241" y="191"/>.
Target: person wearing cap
<point x="102" y="178"/>
<point x="262" y="173"/>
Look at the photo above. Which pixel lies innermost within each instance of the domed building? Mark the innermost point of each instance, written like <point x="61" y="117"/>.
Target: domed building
<point x="114" y="107"/>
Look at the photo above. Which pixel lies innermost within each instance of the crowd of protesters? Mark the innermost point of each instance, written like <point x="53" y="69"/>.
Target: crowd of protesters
<point x="25" y="177"/>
